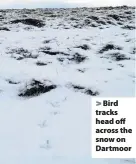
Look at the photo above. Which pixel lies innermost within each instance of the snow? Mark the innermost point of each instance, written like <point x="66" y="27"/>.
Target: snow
<point x="55" y="127"/>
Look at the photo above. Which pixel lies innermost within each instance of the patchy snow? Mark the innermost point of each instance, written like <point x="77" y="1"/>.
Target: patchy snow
<point x="55" y="127"/>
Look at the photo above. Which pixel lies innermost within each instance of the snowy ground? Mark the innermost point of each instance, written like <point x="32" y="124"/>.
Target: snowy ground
<point x="82" y="56"/>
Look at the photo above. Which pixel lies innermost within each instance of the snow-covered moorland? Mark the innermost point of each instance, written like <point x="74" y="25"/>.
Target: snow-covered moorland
<point x="52" y="61"/>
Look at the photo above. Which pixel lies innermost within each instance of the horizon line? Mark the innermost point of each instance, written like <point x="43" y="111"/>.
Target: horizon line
<point x="69" y="7"/>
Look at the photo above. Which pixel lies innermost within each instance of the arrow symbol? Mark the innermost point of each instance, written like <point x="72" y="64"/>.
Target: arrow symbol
<point x="98" y="103"/>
